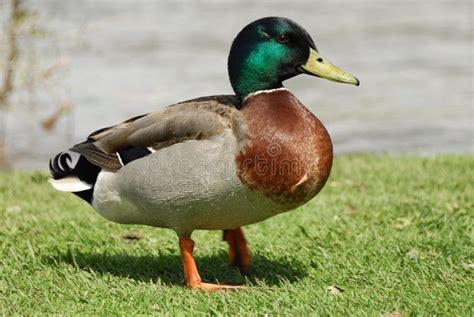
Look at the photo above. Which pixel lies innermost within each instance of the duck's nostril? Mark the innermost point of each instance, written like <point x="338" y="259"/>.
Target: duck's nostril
<point x="320" y="60"/>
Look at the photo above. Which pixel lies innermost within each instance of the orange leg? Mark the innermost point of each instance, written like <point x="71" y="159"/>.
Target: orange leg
<point x="191" y="274"/>
<point x="238" y="251"/>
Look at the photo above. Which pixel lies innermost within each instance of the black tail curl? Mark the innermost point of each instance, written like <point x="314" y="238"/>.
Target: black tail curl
<point x="59" y="166"/>
<point x="84" y="170"/>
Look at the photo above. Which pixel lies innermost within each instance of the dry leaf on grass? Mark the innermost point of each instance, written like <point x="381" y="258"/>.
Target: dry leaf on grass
<point x="13" y="209"/>
<point x="469" y="266"/>
<point x="413" y="254"/>
<point x="335" y="290"/>
<point x="155" y="307"/>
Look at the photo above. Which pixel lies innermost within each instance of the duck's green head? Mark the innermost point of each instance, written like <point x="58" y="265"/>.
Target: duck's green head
<point x="270" y="50"/>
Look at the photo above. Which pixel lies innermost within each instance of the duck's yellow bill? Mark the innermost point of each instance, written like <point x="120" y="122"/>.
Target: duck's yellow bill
<point x="318" y="65"/>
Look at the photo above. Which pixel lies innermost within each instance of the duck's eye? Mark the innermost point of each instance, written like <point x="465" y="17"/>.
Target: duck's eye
<point x="282" y="38"/>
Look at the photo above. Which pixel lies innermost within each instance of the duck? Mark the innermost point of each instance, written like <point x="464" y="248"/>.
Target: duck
<point x="218" y="162"/>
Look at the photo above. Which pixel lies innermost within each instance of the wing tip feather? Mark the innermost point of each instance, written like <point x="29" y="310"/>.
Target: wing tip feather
<point x="69" y="184"/>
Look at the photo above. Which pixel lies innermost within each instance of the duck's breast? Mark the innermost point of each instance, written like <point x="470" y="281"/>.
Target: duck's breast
<point x="289" y="153"/>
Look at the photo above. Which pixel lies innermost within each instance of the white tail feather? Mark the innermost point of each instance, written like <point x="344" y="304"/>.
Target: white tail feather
<point x="69" y="184"/>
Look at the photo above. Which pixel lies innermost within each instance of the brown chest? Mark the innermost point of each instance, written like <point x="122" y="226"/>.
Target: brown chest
<point x="288" y="155"/>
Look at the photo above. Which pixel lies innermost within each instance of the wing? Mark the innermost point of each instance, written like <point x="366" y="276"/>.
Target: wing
<point x="201" y="118"/>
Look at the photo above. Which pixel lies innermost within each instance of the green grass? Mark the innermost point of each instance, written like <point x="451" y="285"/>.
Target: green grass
<point x="394" y="232"/>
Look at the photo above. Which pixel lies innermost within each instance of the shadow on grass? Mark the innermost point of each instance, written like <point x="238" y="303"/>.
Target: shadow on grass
<point x="168" y="268"/>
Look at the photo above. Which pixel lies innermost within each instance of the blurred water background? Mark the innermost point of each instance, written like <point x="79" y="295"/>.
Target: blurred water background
<point x="83" y="65"/>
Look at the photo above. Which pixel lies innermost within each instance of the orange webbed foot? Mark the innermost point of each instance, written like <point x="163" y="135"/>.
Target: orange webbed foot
<point x="191" y="274"/>
<point x="209" y="287"/>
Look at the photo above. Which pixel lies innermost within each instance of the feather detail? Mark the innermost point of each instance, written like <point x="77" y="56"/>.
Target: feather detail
<point x="96" y="156"/>
<point x="69" y="184"/>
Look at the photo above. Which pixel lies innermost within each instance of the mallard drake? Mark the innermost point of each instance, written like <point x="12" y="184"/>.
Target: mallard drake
<point x="219" y="162"/>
